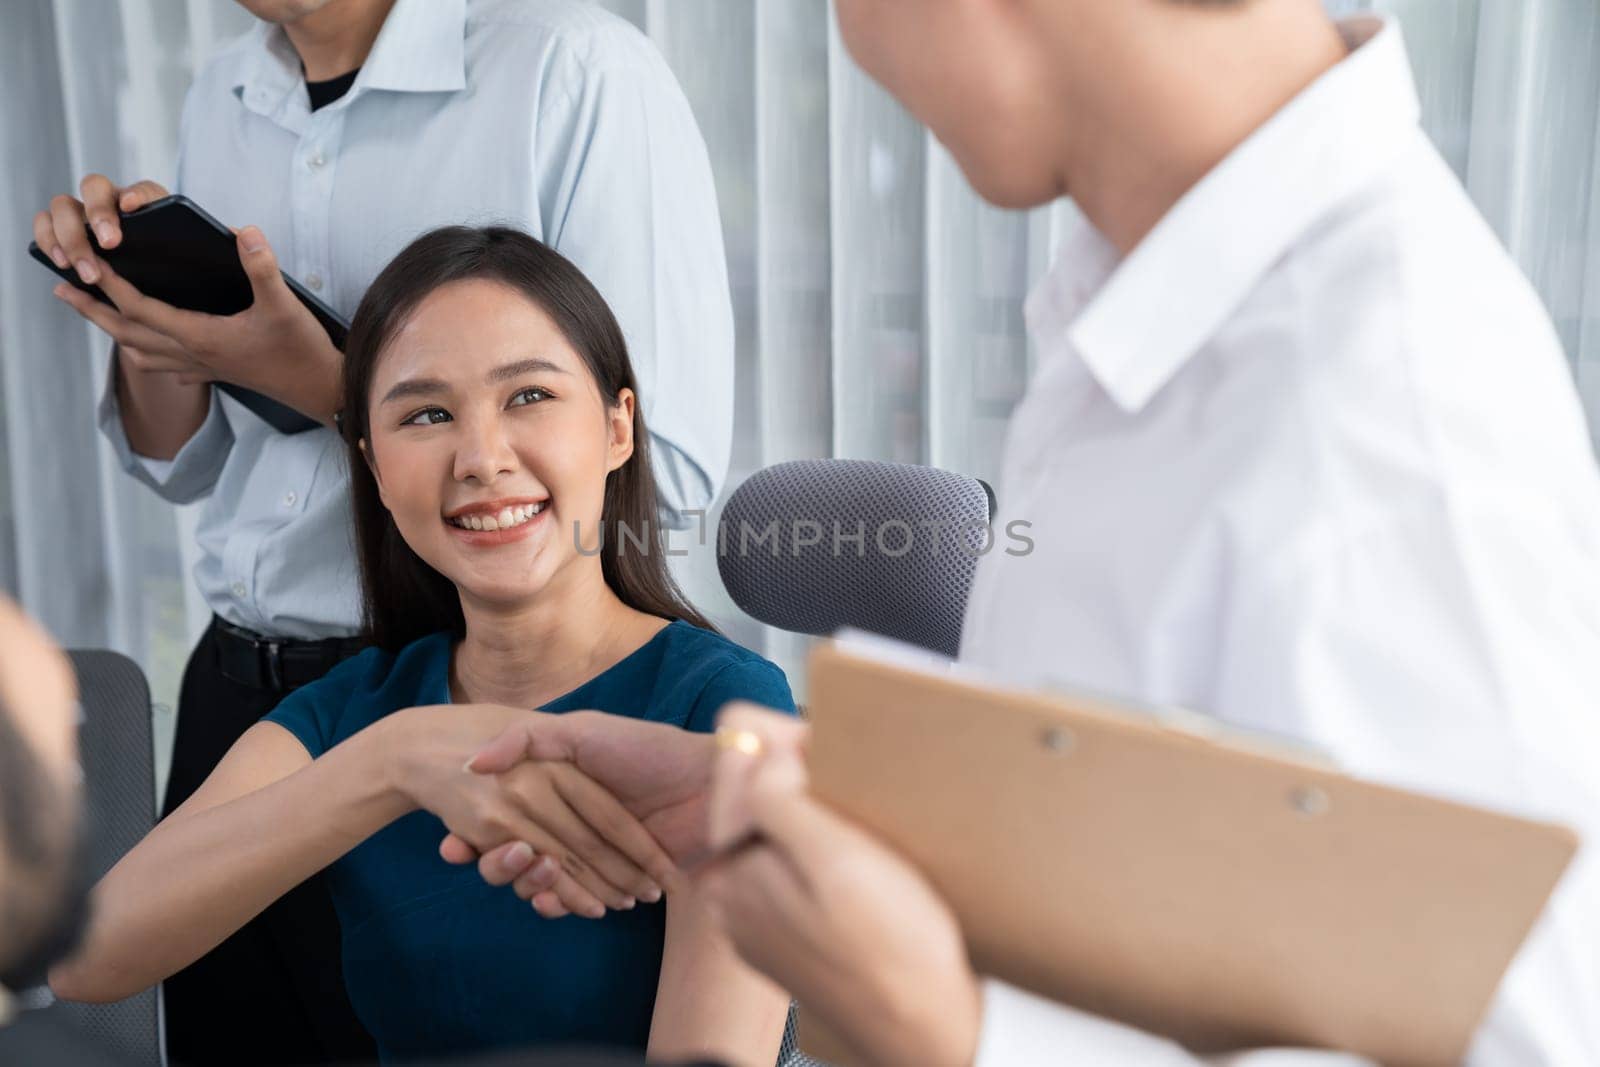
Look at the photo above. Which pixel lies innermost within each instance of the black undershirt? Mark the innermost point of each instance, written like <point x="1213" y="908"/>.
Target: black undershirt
<point x="324" y="93"/>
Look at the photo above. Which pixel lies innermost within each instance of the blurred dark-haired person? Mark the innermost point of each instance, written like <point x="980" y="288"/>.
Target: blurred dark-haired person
<point x="338" y="130"/>
<point x="40" y="915"/>
<point x="1301" y="451"/>
<point x="504" y="506"/>
<point x="43" y="888"/>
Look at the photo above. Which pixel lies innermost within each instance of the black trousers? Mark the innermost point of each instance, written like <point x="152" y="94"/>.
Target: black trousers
<point x="273" y="993"/>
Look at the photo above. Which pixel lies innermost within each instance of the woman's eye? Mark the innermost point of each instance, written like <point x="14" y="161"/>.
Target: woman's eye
<point x="428" y="417"/>
<point x="530" y="395"/>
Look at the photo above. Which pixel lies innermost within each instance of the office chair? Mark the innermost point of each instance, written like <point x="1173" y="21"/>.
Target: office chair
<point x="789" y="555"/>
<point x="116" y="750"/>
<point x="817" y="544"/>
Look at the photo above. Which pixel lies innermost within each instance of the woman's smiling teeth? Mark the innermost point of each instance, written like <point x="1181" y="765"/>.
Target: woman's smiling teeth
<point x="504" y="519"/>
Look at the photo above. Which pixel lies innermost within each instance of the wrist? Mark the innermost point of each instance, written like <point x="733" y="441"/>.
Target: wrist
<point x="394" y="740"/>
<point x="309" y="380"/>
<point x="158" y="413"/>
<point x="942" y="1029"/>
<point x="330" y="393"/>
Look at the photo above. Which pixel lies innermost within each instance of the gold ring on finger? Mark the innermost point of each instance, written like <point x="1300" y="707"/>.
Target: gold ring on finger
<point x="735" y="739"/>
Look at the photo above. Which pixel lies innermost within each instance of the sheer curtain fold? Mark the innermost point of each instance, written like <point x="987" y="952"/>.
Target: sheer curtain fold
<point x="63" y="564"/>
<point x="877" y="301"/>
<point x="91" y="86"/>
<point x="792" y="364"/>
<point x="1587" y="357"/>
<point x="878" y="231"/>
<point x="1535" y="134"/>
<point x="28" y="385"/>
<point x="978" y="271"/>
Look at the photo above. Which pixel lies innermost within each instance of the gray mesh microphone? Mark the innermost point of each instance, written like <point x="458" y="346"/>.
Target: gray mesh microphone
<point x="818" y="544"/>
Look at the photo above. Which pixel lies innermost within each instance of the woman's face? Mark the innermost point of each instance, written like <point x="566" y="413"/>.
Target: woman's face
<point x="489" y="441"/>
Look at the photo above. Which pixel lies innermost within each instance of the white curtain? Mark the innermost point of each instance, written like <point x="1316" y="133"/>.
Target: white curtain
<point x="88" y="85"/>
<point x="877" y="300"/>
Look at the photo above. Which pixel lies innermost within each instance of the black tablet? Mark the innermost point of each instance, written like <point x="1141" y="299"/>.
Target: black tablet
<point x="173" y="251"/>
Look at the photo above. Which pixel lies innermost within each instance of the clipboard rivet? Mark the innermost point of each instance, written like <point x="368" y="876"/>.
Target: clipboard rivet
<point x="1057" y="740"/>
<point x="1310" y="801"/>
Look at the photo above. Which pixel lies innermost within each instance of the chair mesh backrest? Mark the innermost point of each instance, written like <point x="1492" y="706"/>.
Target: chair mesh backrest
<point x="814" y="545"/>
<point x="119" y="808"/>
<point x="789" y="1054"/>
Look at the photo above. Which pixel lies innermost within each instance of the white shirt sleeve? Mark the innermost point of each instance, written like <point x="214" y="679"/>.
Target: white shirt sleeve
<point x="190" y="474"/>
<point x="628" y="196"/>
<point x="1022" y="1029"/>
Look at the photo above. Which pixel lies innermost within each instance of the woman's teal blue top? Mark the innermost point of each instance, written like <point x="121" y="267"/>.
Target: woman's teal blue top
<point x="435" y="960"/>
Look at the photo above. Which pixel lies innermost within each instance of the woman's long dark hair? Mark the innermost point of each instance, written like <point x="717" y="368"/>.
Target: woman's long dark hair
<point x="403" y="598"/>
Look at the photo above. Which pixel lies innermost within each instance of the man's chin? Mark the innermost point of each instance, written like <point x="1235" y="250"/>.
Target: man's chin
<point x="1012" y="190"/>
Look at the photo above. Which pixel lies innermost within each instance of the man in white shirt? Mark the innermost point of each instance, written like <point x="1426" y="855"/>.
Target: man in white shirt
<point x="339" y="130"/>
<point x="1301" y="452"/>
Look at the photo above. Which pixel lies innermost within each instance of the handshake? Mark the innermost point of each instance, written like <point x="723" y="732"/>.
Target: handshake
<point x="584" y="812"/>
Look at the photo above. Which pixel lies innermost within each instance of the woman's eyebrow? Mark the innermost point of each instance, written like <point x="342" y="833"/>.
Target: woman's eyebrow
<point x="415" y="387"/>
<point x="433" y="386"/>
<point x="507" y="371"/>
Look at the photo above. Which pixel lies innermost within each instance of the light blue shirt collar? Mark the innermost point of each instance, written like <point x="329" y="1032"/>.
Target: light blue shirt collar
<point x="421" y="49"/>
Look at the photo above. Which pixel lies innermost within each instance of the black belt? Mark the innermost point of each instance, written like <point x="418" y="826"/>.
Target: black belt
<point x="273" y="665"/>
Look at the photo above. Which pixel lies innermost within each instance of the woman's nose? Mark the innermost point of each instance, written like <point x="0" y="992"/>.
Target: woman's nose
<point x="483" y="450"/>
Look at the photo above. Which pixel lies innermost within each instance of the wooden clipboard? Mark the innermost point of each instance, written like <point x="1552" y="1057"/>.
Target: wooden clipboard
<point x="1207" y="889"/>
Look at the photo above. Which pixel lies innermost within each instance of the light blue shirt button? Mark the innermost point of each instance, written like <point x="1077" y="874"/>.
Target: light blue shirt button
<point x="237" y="589"/>
<point x="289" y="498"/>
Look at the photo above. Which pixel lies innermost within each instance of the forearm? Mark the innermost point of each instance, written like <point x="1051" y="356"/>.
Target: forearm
<point x="159" y="413"/>
<point x="710" y="1004"/>
<point x="200" y="876"/>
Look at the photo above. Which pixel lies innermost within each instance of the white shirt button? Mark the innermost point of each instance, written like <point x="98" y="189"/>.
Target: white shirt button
<point x="314" y="282"/>
<point x="315" y="160"/>
<point x="289" y="498"/>
<point x="237" y="589"/>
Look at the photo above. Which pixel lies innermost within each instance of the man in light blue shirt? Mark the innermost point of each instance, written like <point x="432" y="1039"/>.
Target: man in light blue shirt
<point x="338" y="130"/>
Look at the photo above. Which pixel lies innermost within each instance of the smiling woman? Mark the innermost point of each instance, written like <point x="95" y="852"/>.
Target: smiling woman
<point x="549" y="375"/>
<point x="490" y="408"/>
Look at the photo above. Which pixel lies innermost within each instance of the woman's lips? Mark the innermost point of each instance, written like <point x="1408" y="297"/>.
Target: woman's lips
<point x="504" y="536"/>
<point x="497" y="516"/>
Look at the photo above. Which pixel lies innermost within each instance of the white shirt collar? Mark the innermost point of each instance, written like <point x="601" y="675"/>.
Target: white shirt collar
<point x="421" y="49"/>
<point x="1134" y="324"/>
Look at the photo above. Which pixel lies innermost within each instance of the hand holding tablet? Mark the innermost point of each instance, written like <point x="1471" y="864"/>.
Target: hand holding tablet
<point x="171" y="282"/>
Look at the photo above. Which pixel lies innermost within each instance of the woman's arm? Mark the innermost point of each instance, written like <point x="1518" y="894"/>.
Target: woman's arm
<point x="269" y="817"/>
<point x="709" y="1004"/>
<point x="265" y="820"/>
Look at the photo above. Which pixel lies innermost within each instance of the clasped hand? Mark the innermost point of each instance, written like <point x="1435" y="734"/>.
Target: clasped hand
<point x="561" y="840"/>
<point x="809" y="899"/>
